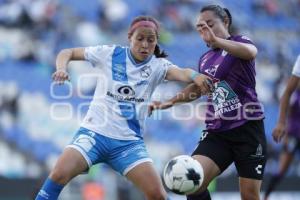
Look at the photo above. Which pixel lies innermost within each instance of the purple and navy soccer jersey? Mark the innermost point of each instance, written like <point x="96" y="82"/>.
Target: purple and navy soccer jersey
<point x="294" y="115"/>
<point x="234" y="100"/>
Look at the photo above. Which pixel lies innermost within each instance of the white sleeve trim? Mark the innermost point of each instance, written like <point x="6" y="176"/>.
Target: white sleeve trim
<point x="296" y="68"/>
<point x="86" y="54"/>
<point x="167" y="65"/>
<point x="98" y="55"/>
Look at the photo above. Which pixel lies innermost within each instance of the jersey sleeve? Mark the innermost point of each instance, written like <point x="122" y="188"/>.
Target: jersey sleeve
<point x="166" y="65"/>
<point x="243" y="39"/>
<point x="97" y="55"/>
<point x="296" y="68"/>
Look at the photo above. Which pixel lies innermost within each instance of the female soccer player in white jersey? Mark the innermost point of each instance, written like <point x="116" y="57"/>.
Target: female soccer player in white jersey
<point x="132" y="74"/>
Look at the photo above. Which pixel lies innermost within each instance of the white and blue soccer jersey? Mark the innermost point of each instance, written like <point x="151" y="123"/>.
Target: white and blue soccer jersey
<point x="296" y="68"/>
<point x="124" y="88"/>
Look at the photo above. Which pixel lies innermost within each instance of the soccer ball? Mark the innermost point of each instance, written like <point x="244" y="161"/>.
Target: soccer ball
<point x="183" y="175"/>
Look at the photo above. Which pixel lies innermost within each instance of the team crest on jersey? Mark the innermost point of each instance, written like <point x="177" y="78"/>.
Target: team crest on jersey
<point x="146" y="71"/>
<point x="213" y="70"/>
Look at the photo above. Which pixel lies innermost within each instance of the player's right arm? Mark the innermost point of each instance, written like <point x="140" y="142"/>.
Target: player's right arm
<point x="280" y="129"/>
<point x="188" y="94"/>
<point x="62" y="60"/>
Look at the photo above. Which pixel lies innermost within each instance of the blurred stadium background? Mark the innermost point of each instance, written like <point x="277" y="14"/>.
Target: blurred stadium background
<point x="38" y="119"/>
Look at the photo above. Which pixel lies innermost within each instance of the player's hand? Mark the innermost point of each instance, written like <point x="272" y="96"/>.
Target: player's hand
<point x="206" y="33"/>
<point x="60" y="76"/>
<point x="278" y="132"/>
<point x="204" y="83"/>
<point x="157" y="105"/>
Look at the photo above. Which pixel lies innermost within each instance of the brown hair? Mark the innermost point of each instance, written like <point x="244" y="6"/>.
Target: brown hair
<point x="222" y="13"/>
<point x="157" y="52"/>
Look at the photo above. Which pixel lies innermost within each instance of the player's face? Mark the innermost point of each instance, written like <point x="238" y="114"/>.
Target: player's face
<point x="142" y="43"/>
<point x="219" y="28"/>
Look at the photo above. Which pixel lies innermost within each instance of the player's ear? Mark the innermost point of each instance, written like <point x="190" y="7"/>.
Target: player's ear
<point x="226" y="23"/>
<point x="129" y="37"/>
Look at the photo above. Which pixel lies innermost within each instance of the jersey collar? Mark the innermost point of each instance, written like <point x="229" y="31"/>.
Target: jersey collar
<point x="134" y="62"/>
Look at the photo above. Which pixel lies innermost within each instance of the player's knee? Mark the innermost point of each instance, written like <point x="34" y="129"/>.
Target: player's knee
<point x="250" y="195"/>
<point x="156" y="194"/>
<point x="60" y="176"/>
<point x="203" y="186"/>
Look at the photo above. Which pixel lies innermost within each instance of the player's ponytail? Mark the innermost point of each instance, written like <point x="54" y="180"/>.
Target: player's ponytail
<point x="158" y="53"/>
<point x="229" y="18"/>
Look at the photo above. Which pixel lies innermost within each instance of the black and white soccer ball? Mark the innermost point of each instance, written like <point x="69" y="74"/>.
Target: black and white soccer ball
<point x="183" y="175"/>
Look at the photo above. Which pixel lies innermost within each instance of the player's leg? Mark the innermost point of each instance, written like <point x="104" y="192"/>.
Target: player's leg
<point x="214" y="155"/>
<point x="249" y="147"/>
<point x="145" y="177"/>
<point x="130" y="158"/>
<point x="84" y="150"/>
<point x="210" y="171"/>
<point x="69" y="164"/>
<point x="249" y="188"/>
<point x="286" y="157"/>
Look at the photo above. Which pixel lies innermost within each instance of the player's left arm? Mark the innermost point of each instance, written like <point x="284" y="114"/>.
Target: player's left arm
<point x="189" y="76"/>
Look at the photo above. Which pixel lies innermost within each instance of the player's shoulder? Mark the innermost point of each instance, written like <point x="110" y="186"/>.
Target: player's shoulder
<point x="298" y="58"/>
<point x="204" y="55"/>
<point x="241" y="38"/>
<point x="297" y="62"/>
<point x="162" y="62"/>
<point x="296" y="68"/>
<point x="101" y="48"/>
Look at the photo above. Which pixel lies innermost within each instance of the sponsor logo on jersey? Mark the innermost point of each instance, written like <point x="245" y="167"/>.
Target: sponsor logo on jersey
<point x="224" y="98"/>
<point x="124" y="95"/>
<point x="143" y="82"/>
<point x="126" y="90"/>
<point x="119" y="72"/>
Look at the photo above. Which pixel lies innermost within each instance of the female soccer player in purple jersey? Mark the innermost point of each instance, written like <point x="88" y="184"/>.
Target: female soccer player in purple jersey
<point x="132" y="73"/>
<point x="234" y="120"/>
<point x="288" y="123"/>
